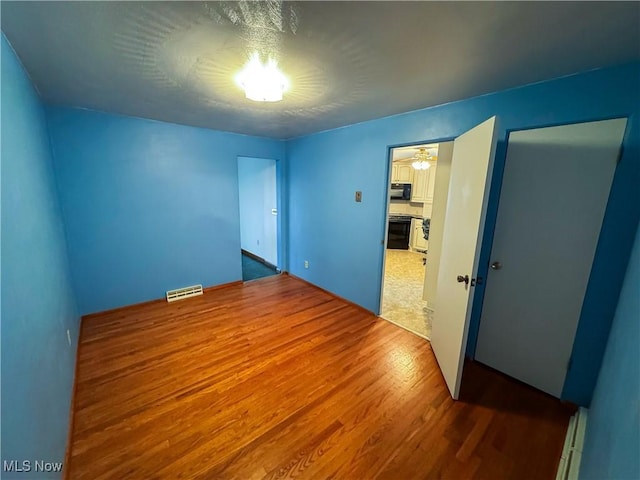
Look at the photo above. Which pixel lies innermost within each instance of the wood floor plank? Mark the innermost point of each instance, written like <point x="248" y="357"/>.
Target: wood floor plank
<point x="278" y="379"/>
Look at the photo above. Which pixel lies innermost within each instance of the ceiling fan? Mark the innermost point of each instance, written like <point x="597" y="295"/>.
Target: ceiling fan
<point x="422" y="159"/>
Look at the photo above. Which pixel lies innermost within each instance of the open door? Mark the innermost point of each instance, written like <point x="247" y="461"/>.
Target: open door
<point x="471" y="169"/>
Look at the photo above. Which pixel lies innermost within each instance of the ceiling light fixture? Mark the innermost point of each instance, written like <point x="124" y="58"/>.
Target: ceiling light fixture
<point x="262" y="82"/>
<point x="421" y="159"/>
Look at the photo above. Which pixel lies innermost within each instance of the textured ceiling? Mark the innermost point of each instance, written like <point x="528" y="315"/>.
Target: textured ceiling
<point x="347" y="61"/>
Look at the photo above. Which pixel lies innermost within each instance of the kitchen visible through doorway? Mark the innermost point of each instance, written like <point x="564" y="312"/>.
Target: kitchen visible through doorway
<point x="416" y="189"/>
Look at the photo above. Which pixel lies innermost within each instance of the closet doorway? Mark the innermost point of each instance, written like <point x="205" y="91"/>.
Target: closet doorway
<point x="554" y="194"/>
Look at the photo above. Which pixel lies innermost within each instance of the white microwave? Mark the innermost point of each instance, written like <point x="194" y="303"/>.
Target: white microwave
<point x="400" y="191"/>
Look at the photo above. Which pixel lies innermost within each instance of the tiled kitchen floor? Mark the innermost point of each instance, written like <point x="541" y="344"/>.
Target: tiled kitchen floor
<point x="402" y="295"/>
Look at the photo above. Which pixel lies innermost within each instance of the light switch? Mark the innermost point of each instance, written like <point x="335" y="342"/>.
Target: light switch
<point x="358" y="196"/>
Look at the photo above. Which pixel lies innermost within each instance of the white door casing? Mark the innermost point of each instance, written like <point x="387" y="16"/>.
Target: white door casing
<point x="554" y="193"/>
<point x="270" y="213"/>
<point x="470" y="180"/>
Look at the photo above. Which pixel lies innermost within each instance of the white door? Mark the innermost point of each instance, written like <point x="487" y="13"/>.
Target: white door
<point x="471" y="169"/>
<point x="554" y="193"/>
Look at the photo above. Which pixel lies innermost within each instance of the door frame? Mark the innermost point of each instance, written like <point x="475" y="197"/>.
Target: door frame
<point x="385" y="218"/>
<point x="495" y="193"/>
<point x="589" y="357"/>
<point x="508" y="135"/>
<point x="281" y="262"/>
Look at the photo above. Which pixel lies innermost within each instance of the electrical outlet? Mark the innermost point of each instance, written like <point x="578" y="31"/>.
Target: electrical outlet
<point x="306" y="264"/>
<point x="69" y="337"/>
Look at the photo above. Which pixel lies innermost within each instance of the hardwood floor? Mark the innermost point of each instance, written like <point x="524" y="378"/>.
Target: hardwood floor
<point x="277" y="379"/>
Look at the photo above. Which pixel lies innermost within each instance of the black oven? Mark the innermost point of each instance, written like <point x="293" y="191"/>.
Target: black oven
<point x="398" y="232"/>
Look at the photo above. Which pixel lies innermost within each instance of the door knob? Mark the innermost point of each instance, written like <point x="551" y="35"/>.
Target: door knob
<point x="496" y="266"/>
<point x="464" y="279"/>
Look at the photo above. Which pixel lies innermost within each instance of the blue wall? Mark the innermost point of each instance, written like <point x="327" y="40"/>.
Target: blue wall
<point x="612" y="441"/>
<point x="148" y="206"/>
<point x="38" y="305"/>
<point x="343" y="240"/>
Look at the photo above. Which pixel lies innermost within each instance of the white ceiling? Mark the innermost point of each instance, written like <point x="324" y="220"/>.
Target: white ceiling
<point x="347" y="61"/>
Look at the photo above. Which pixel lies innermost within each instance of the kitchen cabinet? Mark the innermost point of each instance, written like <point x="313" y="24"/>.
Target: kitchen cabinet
<point x="401" y="173"/>
<point x="419" y="187"/>
<point x="424" y="182"/>
<point x="418" y="243"/>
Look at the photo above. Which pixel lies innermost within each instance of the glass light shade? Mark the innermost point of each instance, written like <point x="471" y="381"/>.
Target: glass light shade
<point x="421" y="165"/>
<point x="262" y="82"/>
<point x="421" y="160"/>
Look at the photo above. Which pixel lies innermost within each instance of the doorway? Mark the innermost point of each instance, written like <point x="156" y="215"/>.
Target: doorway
<point x="257" y="186"/>
<point x="554" y="193"/>
<point x="415" y="214"/>
<point x="466" y="193"/>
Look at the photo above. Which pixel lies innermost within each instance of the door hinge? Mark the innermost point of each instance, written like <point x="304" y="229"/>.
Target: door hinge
<point x="569" y="363"/>
<point x="620" y="153"/>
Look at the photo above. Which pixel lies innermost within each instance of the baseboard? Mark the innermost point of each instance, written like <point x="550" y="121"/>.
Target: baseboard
<point x="90" y="316"/>
<point x="72" y="406"/>
<point x="221" y="286"/>
<point x="147" y="303"/>
<point x="258" y="259"/>
<point x="360" y="307"/>
<point x="83" y="319"/>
